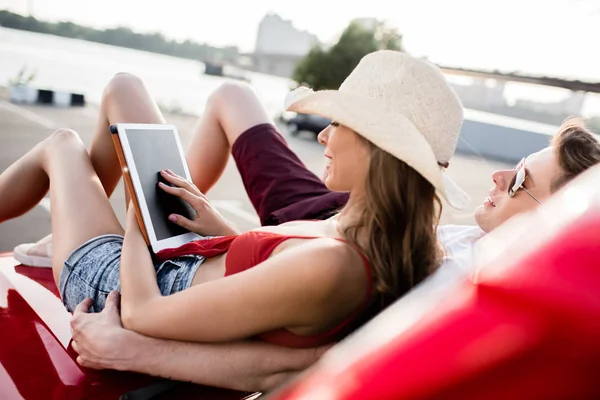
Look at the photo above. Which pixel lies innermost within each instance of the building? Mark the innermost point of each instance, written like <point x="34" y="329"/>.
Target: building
<point x="280" y="46"/>
<point x="571" y="105"/>
<point x="480" y="94"/>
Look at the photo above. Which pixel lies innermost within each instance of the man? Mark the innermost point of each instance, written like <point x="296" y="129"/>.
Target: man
<point x="103" y="343"/>
<point x="534" y="179"/>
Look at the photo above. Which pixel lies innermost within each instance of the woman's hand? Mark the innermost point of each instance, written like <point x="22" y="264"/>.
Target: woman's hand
<point x="208" y="221"/>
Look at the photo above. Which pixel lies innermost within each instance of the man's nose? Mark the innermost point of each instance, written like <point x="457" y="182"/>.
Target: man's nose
<point x="502" y="177"/>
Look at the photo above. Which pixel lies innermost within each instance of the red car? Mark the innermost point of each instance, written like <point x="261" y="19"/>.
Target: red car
<point x="526" y="325"/>
<point x="37" y="362"/>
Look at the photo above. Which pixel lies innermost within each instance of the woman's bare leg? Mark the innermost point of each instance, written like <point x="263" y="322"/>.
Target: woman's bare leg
<point x="79" y="206"/>
<point x="125" y="100"/>
<point x="231" y="110"/>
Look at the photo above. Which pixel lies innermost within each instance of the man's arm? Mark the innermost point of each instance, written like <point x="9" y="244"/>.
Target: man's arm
<point x="102" y="343"/>
<point x="249" y="366"/>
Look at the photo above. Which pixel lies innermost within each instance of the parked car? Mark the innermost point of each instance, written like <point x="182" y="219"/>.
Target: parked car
<point x="523" y="325"/>
<point x="37" y="360"/>
<point x="307" y="122"/>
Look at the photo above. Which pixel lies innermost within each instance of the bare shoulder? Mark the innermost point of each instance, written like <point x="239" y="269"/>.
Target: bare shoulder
<point x="336" y="265"/>
<point x="335" y="251"/>
<point x="340" y="252"/>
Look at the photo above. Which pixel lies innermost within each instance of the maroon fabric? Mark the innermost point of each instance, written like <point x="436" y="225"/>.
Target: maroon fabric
<point x="278" y="184"/>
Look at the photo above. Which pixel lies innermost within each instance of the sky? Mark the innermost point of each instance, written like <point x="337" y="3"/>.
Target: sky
<point x="547" y="37"/>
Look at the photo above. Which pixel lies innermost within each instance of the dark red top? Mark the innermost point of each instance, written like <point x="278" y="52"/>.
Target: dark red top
<point x="250" y="249"/>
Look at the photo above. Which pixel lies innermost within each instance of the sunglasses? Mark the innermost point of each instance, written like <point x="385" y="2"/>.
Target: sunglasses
<point x="518" y="181"/>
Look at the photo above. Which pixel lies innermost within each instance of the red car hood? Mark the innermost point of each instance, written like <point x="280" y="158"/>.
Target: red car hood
<point x="36" y="360"/>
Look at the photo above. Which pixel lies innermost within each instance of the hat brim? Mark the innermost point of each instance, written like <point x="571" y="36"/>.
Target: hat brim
<point x="388" y="130"/>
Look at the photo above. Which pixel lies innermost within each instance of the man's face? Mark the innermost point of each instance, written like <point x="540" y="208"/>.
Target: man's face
<point x="540" y="169"/>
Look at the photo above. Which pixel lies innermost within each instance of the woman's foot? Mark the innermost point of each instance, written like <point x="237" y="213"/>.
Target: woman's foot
<point x="37" y="254"/>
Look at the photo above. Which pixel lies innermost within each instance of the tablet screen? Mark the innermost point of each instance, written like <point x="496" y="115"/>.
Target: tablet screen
<point x="154" y="150"/>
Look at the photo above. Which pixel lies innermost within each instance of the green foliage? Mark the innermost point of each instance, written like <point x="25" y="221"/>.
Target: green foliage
<point x="124" y="37"/>
<point x="322" y="69"/>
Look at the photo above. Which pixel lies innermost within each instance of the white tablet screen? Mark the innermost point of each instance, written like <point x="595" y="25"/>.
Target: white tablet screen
<point x="154" y="150"/>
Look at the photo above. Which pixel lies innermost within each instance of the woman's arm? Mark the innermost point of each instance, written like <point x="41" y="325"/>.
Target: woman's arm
<point x="102" y="343"/>
<point x="138" y="278"/>
<point x="306" y="286"/>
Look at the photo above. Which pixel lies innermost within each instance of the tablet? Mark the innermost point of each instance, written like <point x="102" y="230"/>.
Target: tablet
<point x="144" y="150"/>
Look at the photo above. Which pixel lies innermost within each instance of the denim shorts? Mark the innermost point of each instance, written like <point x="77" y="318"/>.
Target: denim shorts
<point x="92" y="270"/>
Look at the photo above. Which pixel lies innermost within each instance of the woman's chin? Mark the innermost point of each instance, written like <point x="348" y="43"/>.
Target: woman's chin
<point x="336" y="186"/>
<point x="330" y="183"/>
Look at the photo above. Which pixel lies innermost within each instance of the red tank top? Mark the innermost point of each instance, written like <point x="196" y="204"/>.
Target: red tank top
<point x="250" y="249"/>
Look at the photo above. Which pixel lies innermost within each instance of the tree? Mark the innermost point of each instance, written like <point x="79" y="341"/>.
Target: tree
<point x="327" y="69"/>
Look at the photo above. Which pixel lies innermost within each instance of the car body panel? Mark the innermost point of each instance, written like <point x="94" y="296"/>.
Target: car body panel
<point x="523" y="325"/>
<point x="36" y="359"/>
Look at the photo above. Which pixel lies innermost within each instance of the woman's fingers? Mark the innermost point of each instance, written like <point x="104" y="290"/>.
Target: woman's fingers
<point x="183" y="194"/>
<point x="183" y="222"/>
<point x="171" y="177"/>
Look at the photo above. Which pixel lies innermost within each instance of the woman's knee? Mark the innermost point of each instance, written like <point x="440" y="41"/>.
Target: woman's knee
<point x="64" y="135"/>
<point x="61" y="142"/>
<point x="122" y="82"/>
<point x="230" y="91"/>
<point x="237" y="107"/>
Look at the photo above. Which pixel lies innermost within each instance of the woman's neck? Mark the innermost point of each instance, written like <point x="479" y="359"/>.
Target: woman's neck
<point x="351" y="213"/>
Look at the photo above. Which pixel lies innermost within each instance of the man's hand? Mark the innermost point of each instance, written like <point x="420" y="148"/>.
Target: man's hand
<point x="100" y="339"/>
<point x="103" y="343"/>
<point x="208" y="221"/>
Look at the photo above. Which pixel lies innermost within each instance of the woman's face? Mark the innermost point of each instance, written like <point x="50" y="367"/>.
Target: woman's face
<point x="347" y="156"/>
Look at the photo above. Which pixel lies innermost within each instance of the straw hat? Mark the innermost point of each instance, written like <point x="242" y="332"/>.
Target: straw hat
<point x="401" y="104"/>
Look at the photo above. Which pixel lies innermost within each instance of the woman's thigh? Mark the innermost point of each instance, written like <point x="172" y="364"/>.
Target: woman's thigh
<point x="80" y="209"/>
<point x="93" y="270"/>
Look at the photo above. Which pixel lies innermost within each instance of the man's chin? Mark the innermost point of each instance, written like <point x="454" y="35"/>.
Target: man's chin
<point x="479" y="216"/>
<point x="480" y="209"/>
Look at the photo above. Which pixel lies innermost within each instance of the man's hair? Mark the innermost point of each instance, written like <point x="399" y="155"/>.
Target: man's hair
<point x="576" y="149"/>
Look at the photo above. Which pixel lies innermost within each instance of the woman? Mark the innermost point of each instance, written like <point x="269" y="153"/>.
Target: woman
<point x="299" y="284"/>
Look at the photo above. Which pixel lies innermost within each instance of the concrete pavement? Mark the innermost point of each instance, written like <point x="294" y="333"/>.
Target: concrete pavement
<point x="21" y="127"/>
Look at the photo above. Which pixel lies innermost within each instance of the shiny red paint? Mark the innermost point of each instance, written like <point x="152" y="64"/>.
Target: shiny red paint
<point x="36" y="360"/>
<point x="526" y="325"/>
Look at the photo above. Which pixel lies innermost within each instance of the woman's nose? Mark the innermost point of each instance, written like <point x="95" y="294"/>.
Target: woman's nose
<point x="323" y="136"/>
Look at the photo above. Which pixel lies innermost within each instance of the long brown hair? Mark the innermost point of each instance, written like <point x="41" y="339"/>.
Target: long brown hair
<point x="397" y="229"/>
